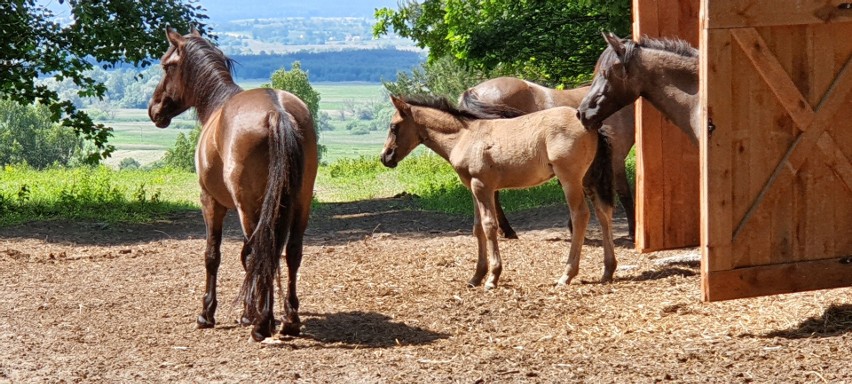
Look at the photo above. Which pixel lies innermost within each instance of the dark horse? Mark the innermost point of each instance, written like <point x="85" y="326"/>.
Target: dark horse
<point x="529" y="97"/>
<point x="488" y="154"/>
<point x="257" y="153"/>
<point x="663" y="71"/>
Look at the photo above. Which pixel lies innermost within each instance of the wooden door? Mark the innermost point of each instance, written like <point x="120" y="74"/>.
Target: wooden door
<point x="667" y="168"/>
<point x="776" y="178"/>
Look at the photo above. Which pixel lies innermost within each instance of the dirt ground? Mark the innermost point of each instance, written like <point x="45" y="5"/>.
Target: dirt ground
<point x="384" y="300"/>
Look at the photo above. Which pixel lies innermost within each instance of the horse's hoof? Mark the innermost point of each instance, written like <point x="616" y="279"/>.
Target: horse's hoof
<point x="564" y="280"/>
<point x="291" y="329"/>
<point x="245" y="321"/>
<point x="203" y="323"/>
<point x="510" y="235"/>
<point x="259" y="333"/>
<point x="490" y="286"/>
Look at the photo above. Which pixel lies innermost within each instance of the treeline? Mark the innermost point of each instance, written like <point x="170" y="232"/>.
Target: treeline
<point x="369" y="65"/>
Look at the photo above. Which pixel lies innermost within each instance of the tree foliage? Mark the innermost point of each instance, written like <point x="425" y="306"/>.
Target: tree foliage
<point x="296" y="82"/>
<point x="552" y="42"/>
<point x="182" y="155"/>
<point x="27" y="136"/>
<point x="36" y="44"/>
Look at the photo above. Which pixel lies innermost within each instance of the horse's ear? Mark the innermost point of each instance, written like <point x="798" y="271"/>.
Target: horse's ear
<point x="616" y="43"/>
<point x="194" y="32"/>
<point x="173" y="36"/>
<point x="400" y="105"/>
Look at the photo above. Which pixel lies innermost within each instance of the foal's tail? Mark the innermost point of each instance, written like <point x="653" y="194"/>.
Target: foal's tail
<point x="599" y="179"/>
<point x="286" y="165"/>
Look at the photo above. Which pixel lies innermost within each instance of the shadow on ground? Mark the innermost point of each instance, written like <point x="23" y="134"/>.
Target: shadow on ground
<point x="364" y="329"/>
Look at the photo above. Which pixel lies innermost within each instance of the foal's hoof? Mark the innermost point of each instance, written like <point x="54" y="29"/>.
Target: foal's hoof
<point x="203" y="323"/>
<point x="510" y="234"/>
<point x="291" y="329"/>
<point x="564" y="280"/>
<point x="489" y="286"/>
<point x="245" y="321"/>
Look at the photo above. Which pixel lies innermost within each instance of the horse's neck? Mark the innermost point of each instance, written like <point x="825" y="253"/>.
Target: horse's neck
<point x="440" y="130"/>
<point x="209" y="100"/>
<point x="671" y="85"/>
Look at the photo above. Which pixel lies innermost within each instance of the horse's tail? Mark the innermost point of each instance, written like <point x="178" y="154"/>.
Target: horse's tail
<point x="470" y="102"/>
<point x="599" y="178"/>
<point x="286" y="167"/>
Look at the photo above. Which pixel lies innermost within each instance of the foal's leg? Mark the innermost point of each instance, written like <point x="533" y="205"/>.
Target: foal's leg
<point x="484" y="198"/>
<point x="604" y="214"/>
<point x="579" y="212"/>
<point x="214" y="215"/>
<point x="505" y="228"/>
<point x="479" y="234"/>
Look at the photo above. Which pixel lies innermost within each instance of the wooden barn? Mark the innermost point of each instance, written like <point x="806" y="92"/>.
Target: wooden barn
<point x="767" y="196"/>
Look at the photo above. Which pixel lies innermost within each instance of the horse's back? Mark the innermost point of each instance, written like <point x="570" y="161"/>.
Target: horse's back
<point x="233" y="150"/>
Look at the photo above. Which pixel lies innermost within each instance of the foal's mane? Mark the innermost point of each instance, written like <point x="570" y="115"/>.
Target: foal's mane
<point x="207" y="71"/>
<point x="672" y="45"/>
<point x="473" y="109"/>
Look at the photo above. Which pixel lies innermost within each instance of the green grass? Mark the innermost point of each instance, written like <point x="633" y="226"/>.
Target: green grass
<point x="97" y="194"/>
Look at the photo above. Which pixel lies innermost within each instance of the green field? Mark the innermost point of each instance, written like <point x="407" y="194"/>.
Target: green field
<point x="136" y="136"/>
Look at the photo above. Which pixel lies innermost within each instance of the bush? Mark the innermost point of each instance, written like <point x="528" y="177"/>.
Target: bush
<point x="128" y="163"/>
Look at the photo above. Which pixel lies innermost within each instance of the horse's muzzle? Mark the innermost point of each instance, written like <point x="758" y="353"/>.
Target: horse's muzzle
<point x="590" y="124"/>
<point x="389" y="158"/>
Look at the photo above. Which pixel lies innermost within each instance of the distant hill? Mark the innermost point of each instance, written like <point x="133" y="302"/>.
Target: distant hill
<point x="363" y="65"/>
<point x="226" y="10"/>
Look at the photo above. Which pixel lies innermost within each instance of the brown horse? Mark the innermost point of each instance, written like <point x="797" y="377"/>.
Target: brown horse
<point x="530" y="97"/>
<point x="663" y="71"/>
<point x="257" y="153"/>
<point x="488" y="154"/>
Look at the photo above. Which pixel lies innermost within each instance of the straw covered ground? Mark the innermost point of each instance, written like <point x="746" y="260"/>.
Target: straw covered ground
<point x="383" y="300"/>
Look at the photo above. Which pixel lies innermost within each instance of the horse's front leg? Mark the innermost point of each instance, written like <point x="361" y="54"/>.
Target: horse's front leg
<point x="484" y="198"/>
<point x="214" y="215"/>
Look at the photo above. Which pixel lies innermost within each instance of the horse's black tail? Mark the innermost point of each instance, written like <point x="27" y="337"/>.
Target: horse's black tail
<point x="286" y="166"/>
<point x="470" y="102"/>
<point x="599" y="178"/>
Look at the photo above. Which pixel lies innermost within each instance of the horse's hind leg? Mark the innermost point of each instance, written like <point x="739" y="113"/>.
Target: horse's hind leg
<point x="505" y="227"/>
<point x="625" y="196"/>
<point x="214" y="215"/>
<point x="292" y="324"/>
<point x="604" y="214"/>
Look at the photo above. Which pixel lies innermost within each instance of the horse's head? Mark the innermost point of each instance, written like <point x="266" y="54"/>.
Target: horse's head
<point x="403" y="135"/>
<point x="170" y="98"/>
<point x="612" y="88"/>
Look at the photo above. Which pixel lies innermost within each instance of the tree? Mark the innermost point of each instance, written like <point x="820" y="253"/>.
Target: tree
<point x="36" y="44"/>
<point x="552" y="42"/>
<point x="296" y="82"/>
<point x="28" y="136"/>
<point x="182" y="155"/>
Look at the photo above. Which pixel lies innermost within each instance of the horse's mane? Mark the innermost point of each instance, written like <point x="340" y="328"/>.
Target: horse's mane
<point x="207" y="70"/>
<point x="471" y="108"/>
<point x="672" y="45"/>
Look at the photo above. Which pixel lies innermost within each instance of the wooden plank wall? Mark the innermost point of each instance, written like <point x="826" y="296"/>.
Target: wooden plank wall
<point x="667" y="163"/>
<point x="776" y="176"/>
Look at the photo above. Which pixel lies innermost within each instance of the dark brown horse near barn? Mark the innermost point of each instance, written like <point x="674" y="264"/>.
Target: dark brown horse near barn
<point x="257" y="153"/>
<point x="663" y="71"/>
<point x="490" y="153"/>
<point x="530" y="97"/>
